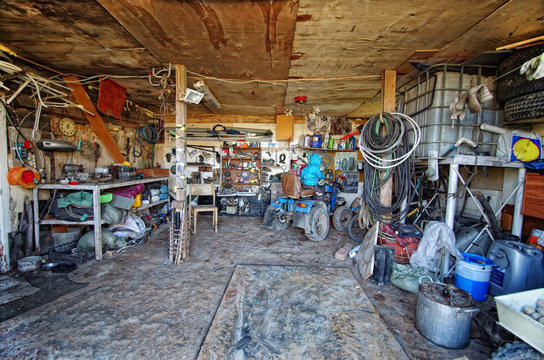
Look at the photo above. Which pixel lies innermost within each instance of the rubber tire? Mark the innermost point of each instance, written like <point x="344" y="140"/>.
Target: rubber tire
<point x="281" y="225"/>
<point x="355" y="232"/>
<point x="525" y="107"/>
<point x="318" y="225"/>
<point x="514" y="84"/>
<point x="516" y="351"/>
<point x="341" y="217"/>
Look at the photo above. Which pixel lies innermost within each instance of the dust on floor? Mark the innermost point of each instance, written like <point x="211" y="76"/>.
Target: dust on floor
<point x="138" y="306"/>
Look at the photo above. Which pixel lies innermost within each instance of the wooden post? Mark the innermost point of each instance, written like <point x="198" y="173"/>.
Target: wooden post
<point x="97" y="124"/>
<point x="389" y="79"/>
<point x="181" y="159"/>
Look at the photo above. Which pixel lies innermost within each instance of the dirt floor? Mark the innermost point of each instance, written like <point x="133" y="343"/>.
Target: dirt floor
<point x="136" y="305"/>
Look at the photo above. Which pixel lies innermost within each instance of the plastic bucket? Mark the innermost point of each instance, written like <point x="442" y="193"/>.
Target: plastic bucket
<point x="472" y="274"/>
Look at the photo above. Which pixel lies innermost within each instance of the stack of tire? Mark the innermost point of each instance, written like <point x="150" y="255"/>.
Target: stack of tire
<point x="522" y="98"/>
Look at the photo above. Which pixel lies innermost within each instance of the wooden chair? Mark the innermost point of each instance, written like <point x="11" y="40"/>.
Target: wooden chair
<point x="202" y="189"/>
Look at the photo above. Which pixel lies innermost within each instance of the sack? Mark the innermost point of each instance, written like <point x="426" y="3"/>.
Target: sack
<point x="407" y="277"/>
<point x="290" y="184"/>
<point x="72" y="212"/>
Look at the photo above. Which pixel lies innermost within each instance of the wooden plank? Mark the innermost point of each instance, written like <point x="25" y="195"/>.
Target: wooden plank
<point x="520" y="43"/>
<point x="389" y="78"/>
<point x="180" y="188"/>
<point x="533" y="196"/>
<point x="511" y="22"/>
<point x="230" y="39"/>
<point x="72" y="37"/>
<point x="284" y="127"/>
<point x="97" y="124"/>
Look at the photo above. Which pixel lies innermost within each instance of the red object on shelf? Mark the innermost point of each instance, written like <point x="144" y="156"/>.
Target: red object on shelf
<point x="301" y="99"/>
<point x="29" y="145"/>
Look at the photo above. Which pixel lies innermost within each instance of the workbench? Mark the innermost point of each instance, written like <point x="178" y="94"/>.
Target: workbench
<point x="96" y="188"/>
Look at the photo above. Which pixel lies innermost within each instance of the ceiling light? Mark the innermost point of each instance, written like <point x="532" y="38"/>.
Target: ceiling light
<point x="192" y="96"/>
<point x="208" y="95"/>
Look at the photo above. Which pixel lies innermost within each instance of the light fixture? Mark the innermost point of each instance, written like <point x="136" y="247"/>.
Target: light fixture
<point x="208" y="95"/>
<point x="192" y="96"/>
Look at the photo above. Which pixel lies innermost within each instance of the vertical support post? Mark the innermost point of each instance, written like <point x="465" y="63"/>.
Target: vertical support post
<point x="181" y="162"/>
<point x="36" y="219"/>
<point x="5" y="221"/>
<point x="517" y="220"/>
<point x="451" y="203"/>
<point x="97" y="216"/>
<point x="389" y="80"/>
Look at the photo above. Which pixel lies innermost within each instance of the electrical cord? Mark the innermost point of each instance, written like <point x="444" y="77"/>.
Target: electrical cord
<point x="385" y="146"/>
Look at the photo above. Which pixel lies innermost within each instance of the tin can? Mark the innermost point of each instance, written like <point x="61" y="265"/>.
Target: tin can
<point x="342" y="144"/>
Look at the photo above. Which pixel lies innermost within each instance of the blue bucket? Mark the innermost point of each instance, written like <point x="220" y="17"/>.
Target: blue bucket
<point x="472" y="274"/>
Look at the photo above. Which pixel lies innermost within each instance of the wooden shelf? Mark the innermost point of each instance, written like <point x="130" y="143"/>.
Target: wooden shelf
<point x="332" y="150"/>
<point x="248" y="169"/>
<point x="67" y="222"/>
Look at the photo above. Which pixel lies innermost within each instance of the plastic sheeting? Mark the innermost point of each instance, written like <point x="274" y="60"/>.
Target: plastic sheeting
<point x="134" y="228"/>
<point x="437" y="235"/>
<point x="295" y="312"/>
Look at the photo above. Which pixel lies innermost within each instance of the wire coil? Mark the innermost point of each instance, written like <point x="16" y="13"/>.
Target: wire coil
<point x="384" y="145"/>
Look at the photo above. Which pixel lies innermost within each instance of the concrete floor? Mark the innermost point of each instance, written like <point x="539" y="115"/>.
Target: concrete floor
<point x="137" y="306"/>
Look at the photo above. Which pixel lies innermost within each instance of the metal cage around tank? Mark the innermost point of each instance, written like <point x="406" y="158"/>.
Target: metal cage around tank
<point x="427" y="97"/>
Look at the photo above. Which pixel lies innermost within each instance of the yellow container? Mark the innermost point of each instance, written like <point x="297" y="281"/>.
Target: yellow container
<point x="137" y="201"/>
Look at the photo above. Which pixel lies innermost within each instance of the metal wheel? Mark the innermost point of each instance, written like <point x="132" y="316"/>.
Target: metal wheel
<point x="354" y="230"/>
<point x="341" y="218"/>
<point x="317" y="228"/>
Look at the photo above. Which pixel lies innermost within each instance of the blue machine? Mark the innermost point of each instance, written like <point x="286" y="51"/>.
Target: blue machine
<point x="310" y="215"/>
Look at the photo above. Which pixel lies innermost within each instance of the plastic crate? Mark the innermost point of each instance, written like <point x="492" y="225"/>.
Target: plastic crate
<point x="512" y="318"/>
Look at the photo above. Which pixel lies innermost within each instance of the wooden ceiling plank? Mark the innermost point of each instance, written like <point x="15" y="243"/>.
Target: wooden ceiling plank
<point x="514" y="21"/>
<point x="257" y="47"/>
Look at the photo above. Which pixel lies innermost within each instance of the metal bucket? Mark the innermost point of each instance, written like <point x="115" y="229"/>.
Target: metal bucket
<point x="444" y="314"/>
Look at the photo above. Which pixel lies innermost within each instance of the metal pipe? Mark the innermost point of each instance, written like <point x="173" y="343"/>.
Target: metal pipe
<point x="451" y="203"/>
<point x="12" y="97"/>
<point x="517" y="221"/>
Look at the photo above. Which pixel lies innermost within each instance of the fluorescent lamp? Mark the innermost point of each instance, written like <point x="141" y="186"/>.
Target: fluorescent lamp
<point x="192" y="96"/>
<point x="208" y="95"/>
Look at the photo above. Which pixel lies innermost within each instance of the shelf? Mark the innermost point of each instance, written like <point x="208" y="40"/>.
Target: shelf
<point x="241" y="158"/>
<point x="242" y="183"/>
<point x="144" y="207"/>
<point x="67" y="222"/>
<point x="248" y="169"/>
<point x="333" y="150"/>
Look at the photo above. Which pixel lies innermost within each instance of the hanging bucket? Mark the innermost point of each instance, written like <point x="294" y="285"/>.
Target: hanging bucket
<point x="472" y="274"/>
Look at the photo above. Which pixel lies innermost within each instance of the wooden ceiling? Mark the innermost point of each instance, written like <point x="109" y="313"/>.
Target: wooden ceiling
<point x="332" y="51"/>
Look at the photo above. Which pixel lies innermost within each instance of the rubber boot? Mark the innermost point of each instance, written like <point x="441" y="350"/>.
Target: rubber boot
<point x="383" y="264"/>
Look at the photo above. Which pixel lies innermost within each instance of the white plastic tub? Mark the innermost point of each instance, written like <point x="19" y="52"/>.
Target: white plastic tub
<point x="512" y="318"/>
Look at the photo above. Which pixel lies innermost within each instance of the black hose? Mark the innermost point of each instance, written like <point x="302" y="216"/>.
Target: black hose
<point x="393" y="144"/>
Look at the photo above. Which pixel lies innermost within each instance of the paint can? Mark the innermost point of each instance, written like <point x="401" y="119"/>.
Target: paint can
<point x="316" y="141"/>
